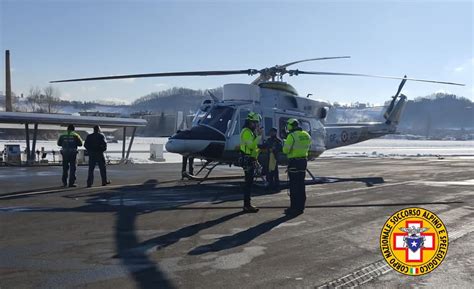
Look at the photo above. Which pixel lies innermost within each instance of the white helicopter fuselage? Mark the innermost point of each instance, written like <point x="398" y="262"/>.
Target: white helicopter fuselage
<point x="215" y="134"/>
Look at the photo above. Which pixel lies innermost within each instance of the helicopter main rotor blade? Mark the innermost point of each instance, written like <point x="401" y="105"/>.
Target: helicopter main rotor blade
<point x="296" y="72"/>
<point x="313" y="59"/>
<point x="164" y="74"/>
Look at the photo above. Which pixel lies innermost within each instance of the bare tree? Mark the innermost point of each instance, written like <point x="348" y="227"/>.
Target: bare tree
<point x="43" y="101"/>
<point x="34" y="98"/>
<point x="51" y="99"/>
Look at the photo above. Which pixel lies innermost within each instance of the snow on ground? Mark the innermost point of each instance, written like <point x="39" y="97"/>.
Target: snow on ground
<point x="372" y="148"/>
<point x="404" y="148"/>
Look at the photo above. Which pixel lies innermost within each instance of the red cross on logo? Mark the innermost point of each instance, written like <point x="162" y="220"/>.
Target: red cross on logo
<point x="410" y="256"/>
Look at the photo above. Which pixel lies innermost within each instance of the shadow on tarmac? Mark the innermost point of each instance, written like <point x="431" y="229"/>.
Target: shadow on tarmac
<point x="239" y="238"/>
<point x="369" y="182"/>
<point x="188" y="231"/>
<point x="126" y="239"/>
<point x="129" y="202"/>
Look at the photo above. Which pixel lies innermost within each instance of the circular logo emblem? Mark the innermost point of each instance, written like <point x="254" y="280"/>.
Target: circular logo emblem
<point x="344" y="136"/>
<point x="414" y="241"/>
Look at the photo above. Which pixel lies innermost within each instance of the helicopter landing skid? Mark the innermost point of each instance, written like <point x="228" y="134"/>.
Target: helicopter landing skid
<point x="312" y="176"/>
<point x="208" y="165"/>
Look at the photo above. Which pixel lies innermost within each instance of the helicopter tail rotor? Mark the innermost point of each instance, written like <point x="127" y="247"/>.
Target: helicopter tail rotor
<point x="392" y="103"/>
<point x="395" y="114"/>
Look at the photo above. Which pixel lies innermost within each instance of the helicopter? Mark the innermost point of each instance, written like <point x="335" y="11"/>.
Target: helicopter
<point x="215" y="133"/>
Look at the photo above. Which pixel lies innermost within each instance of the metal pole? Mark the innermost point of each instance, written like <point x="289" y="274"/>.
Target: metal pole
<point x="8" y="84"/>
<point x="33" y="146"/>
<point x="124" y="140"/>
<point x="131" y="142"/>
<point x="28" y="152"/>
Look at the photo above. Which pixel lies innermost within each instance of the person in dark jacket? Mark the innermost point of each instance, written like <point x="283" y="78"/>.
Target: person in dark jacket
<point x="273" y="145"/>
<point x="69" y="141"/>
<point x="96" y="145"/>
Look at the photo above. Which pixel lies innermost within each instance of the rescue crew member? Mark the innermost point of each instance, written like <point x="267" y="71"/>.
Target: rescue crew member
<point x="296" y="147"/>
<point x="96" y="145"/>
<point x="69" y="141"/>
<point x="273" y="145"/>
<point x="250" y="137"/>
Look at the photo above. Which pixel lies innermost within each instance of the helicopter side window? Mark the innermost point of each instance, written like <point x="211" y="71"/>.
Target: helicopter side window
<point x="218" y="118"/>
<point x="304" y="124"/>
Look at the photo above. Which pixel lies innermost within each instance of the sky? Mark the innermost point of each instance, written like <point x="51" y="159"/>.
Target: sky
<point x="51" y="40"/>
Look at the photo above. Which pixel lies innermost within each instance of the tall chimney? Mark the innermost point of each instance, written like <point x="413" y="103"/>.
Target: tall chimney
<point x="8" y="84"/>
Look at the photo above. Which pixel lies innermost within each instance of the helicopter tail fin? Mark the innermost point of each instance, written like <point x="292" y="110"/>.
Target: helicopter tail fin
<point x="394" y="111"/>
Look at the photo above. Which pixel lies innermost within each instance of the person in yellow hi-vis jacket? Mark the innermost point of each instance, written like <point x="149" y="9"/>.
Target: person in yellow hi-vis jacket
<point x="69" y="141"/>
<point x="297" y="145"/>
<point x="250" y="138"/>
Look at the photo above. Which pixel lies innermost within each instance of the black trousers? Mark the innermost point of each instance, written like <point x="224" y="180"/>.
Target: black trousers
<point x="297" y="173"/>
<point x="184" y="164"/>
<point x="69" y="166"/>
<point x="96" y="158"/>
<point x="273" y="179"/>
<point x="249" y="170"/>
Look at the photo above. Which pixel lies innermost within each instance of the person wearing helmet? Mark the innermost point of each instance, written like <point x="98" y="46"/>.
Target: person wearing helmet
<point x="69" y="141"/>
<point x="250" y="137"/>
<point x="296" y="148"/>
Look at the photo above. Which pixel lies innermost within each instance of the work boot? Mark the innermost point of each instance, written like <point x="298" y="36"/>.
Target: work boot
<point x="250" y="209"/>
<point x="106" y="183"/>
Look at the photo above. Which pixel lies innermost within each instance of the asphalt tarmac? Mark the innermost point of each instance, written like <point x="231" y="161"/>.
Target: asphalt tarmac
<point x="148" y="229"/>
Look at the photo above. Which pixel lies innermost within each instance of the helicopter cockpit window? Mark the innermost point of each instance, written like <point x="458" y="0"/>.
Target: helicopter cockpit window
<point x="198" y="117"/>
<point x="219" y="117"/>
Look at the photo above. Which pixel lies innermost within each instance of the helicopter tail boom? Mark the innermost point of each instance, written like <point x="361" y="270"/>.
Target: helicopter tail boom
<point x="338" y="135"/>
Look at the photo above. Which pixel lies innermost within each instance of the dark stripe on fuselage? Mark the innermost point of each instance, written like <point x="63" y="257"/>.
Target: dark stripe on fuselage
<point x="199" y="133"/>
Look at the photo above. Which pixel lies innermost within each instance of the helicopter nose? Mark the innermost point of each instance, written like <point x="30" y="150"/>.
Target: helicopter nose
<point x="193" y="141"/>
<point x="181" y="146"/>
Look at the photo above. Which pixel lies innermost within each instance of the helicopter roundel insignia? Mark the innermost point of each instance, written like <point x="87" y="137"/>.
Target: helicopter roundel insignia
<point x="344" y="136"/>
<point x="414" y="241"/>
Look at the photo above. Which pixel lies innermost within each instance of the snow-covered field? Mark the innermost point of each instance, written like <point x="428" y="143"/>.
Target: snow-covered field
<point x="371" y="148"/>
<point x="401" y="147"/>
